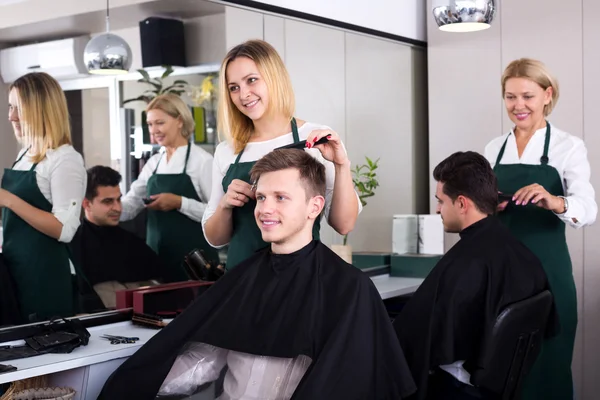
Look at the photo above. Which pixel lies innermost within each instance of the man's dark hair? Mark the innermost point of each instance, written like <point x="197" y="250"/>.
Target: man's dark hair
<point x="312" y="172"/>
<point x="469" y="174"/>
<point x="100" y="176"/>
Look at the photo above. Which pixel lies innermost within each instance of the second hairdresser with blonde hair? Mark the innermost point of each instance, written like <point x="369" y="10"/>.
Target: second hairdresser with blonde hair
<point x="174" y="186"/>
<point x="41" y="198"/>
<point x="256" y="116"/>
<point x="546" y="174"/>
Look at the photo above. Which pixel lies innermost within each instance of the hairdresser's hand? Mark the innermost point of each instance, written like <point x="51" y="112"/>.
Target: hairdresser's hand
<point x="165" y="202"/>
<point x="238" y="194"/>
<point x="333" y="150"/>
<point x="536" y="194"/>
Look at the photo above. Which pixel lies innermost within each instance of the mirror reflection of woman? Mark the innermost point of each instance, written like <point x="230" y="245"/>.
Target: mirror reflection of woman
<point x="41" y="198"/>
<point x="177" y="180"/>
<point x="256" y="115"/>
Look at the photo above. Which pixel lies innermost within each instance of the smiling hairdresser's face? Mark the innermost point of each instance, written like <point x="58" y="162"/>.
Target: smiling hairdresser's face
<point x="525" y="101"/>
<point x="247" y="88"/>
<point x="165" y="129"/>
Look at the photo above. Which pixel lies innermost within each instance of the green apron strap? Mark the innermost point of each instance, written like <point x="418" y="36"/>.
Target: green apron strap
<point x="294" y="133"/>
<point x="158" y="163"/>
<point x="237" y="160"/>
<point x="20" y="158"/>
<point x="544" y="158"/>
<point x="501" y="153"/>
<point x="295" y="130"/>
<point x="187" y="157"/>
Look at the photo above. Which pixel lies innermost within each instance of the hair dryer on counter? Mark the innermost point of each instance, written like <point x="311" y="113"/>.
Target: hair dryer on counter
<point x="199" y="269"/>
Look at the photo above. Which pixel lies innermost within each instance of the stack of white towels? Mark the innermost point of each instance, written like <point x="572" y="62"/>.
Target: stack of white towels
<point x="418" y="234"/>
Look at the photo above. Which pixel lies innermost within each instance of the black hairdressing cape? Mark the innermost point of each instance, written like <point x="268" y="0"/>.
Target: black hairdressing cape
<point x="9" y="304"/>
<point x="462" y="296"/>
<point x="110" y="253"/>
<point x="309" y="302"/>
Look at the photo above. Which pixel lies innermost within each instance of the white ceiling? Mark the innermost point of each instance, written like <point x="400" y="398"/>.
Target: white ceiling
<point x="93" y="22"/>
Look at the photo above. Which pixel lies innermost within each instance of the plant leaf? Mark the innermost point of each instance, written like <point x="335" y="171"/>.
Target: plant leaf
<point x="146" y="76"/>
<point x="168" y="71"/>
<point x="143" y="98"/>
<point x="174" y="86"/>
<point x="177" y="92"/>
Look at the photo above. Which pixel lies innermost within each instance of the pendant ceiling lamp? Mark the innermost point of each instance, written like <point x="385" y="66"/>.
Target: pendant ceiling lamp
<point x="107" y="54"/>
<point x="463" y="15"/>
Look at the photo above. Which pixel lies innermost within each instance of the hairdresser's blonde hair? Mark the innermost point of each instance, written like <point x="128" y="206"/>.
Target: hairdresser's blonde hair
<point x="43" y="114"/>
<point x="535" y="71"/>
<point x="174" y="106"/>
<point x="232" y="124"/>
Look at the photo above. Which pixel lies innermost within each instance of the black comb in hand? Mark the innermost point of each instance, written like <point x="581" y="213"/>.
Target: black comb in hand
<point x="302" y="144"/>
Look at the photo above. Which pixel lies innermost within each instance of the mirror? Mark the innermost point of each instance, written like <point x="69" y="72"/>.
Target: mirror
<point x="89" y="113"/>
<point x="141" y="144"/>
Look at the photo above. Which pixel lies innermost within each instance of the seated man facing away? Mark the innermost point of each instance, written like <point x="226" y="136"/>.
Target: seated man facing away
<point x="294" y="319"/>
<point x="110" y="257"/>
<point x="442" y="326"/>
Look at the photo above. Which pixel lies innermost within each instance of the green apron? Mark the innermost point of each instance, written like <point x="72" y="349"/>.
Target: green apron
<point x="246" y="237"/>
<point x="38" y="263"/>
<point x="171" y="234"/>
<point x="544" y="234"/>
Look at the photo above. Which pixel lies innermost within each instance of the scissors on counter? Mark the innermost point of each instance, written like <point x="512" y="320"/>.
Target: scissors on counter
<point x="120" y="339"/>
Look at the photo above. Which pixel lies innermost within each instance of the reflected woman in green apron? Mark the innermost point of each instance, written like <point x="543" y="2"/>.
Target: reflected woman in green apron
<point x="256" y="116"/>
<point x="548" y="173"/>
<point x="177" y="183"/>
<point x="41" y="198"/>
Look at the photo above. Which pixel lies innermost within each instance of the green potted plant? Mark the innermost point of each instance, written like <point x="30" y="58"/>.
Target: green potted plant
<point x="157" y="87"/>
<point x="364" y="177"/>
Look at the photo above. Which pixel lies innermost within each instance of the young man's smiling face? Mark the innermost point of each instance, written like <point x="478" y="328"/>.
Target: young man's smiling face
<point x="284" y="212"/>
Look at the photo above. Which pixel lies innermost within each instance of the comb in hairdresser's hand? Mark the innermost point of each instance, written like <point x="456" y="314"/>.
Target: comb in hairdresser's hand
<point x="302" y="144"/>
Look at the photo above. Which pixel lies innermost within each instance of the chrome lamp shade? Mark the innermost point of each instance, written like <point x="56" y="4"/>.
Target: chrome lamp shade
<point x="464" y="15"/>
<point x="107" y="54"/>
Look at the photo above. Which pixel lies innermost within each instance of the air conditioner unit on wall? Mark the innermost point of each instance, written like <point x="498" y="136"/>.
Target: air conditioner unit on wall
<point x="62" y="59"/>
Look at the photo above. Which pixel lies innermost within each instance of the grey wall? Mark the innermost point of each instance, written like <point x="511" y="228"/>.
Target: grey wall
<point x="466" y="111"/>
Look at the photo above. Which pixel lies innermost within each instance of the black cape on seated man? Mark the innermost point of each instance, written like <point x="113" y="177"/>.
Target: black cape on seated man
<point x="110" y="257"/>
<point x="442" y="326"/>
<point x="292" y="314"/>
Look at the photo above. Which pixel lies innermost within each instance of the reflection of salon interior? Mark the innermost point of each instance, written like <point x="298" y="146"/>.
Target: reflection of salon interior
<point x="366" y="83"/>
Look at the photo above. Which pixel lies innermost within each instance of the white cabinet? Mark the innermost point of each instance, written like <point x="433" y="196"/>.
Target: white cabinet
<point x="242" y="25"/>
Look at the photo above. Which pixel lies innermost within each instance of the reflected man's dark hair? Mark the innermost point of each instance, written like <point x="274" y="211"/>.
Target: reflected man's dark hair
<point x="100" y="176"/>
<point x="469" y="174"/>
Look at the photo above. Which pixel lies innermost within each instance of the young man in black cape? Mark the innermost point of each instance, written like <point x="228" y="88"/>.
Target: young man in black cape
<point x="292" y="321"/>
<point x="441" y="327"/>
<point x="109" y="257"/>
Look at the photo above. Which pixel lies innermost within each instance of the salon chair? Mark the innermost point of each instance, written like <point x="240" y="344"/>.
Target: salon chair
<point x="510" y="349"/>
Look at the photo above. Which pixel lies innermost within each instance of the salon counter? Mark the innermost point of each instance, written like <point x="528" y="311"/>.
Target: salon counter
<point x="392" y="286"/>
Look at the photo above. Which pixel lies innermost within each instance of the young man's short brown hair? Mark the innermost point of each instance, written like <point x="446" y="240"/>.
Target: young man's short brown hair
<point x="312" y="172"/>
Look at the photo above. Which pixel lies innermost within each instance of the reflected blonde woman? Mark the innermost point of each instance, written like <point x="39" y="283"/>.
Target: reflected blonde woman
<point x="174" y="186"/>
<point x="41" y="198"/>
